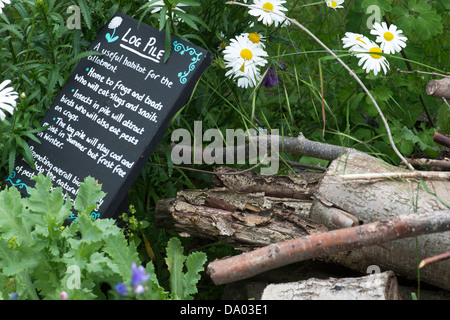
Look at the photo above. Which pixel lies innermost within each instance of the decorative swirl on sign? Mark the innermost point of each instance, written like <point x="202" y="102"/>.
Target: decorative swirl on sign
<point x="18" y="182"/>
<point x="179" y="47"/>
<point x="94" y="215"/>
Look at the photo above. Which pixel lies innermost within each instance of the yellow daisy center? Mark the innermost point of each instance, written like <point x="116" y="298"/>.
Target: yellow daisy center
<point x="223" y="45"/>
<point x="333" y="4"/>
<point x="242" y="68"/>
<point x="246" y="54"/>
<point x="254" y="37"/>
<point x="375" y="49"/>
<point x="268" y="6"/>
<point x="388" y="36"/>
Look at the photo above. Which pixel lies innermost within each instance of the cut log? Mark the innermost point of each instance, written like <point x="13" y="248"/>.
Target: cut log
<point x="247" y="220"/>
<point x="439" y="88"/>
<point x="377" y="286"/>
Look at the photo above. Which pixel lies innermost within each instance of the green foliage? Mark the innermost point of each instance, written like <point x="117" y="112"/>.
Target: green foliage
<point x="38" y="251"/>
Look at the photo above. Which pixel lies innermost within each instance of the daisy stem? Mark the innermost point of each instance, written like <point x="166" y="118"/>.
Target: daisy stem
<point x="352" y="73"/>
<point x="311" y="4"/>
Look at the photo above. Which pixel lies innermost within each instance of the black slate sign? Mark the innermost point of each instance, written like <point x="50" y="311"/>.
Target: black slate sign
<point x="113" y="111"/>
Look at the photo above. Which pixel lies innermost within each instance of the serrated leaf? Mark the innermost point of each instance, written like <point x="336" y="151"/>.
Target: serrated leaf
<point x="47" y="205"/>
<point x="194" y="265"/>
<point x="122" y="255"/>
<point x="89" y="194"/>
<point x="428" y="25"/>
<point x="86" y="12"/>
<point x="11" y="222"/>
<point x="175" y="261"/>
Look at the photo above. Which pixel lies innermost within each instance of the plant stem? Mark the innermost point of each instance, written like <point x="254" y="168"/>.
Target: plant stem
<point x="352" y="73"/>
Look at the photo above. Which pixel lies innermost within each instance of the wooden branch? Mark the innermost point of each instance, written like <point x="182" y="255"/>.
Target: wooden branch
<point x="316" y="245"/>
<point x="439" y="88"/>
<point x="442" y="139"/>
<point x="430" y="163"/>
<point x="430" y="260"/>
<point x="397" y="175"/>
<point x="377" y="286"/>
<point x="293" y="145"/>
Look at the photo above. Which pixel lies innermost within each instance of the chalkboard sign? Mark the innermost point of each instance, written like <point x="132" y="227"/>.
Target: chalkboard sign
<point x="113" y="111"/>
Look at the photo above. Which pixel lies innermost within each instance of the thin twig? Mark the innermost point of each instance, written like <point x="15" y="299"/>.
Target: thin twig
<point x="212" y="172"/>
<point x="430" y="162"/>
<point x="423" y="72"/>
<point x="446" y="102"/>
<point x="430" y="260"/>
<point x="352" y="73"/>
<point x="397" y="175"/>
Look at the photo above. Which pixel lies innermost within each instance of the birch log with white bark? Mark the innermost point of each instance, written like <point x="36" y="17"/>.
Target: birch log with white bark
<point x="378" y="286"/>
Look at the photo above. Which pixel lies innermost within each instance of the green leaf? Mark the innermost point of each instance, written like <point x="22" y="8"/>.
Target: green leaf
<point x="11" y="222"/>
<point x="86" y="12"/>
<point x="168" y="43"/>
<point x="122" y="255"/>
<point x="175" y="260"/>
<point x="428" y="25"/>
<point x="183" y="285"/>
<point x="45" y="205"/>
<point x="194" y="265"/>
<point x="89" y="193"/>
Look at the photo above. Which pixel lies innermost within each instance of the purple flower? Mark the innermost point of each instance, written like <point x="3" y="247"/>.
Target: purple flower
<point x="271" y="79"/>
<point x="139" y="276"/>
<point x="121" y="288"/>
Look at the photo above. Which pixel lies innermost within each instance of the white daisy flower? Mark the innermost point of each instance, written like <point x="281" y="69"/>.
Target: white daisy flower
<point x="2" y="4"/>
<point x="269" y="12"/>
<point x="175" y="7"/>
<point x="355" y="41"/>
<point x="8" y="99"/>
<point x="244" y="55"/>
<point x="391" y="40"/>
<point x="371" y="60"/>
<point x="335" y="4"/>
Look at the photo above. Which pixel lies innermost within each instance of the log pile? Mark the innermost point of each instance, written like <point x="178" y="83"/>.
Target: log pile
<point x="268" y="214"/>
